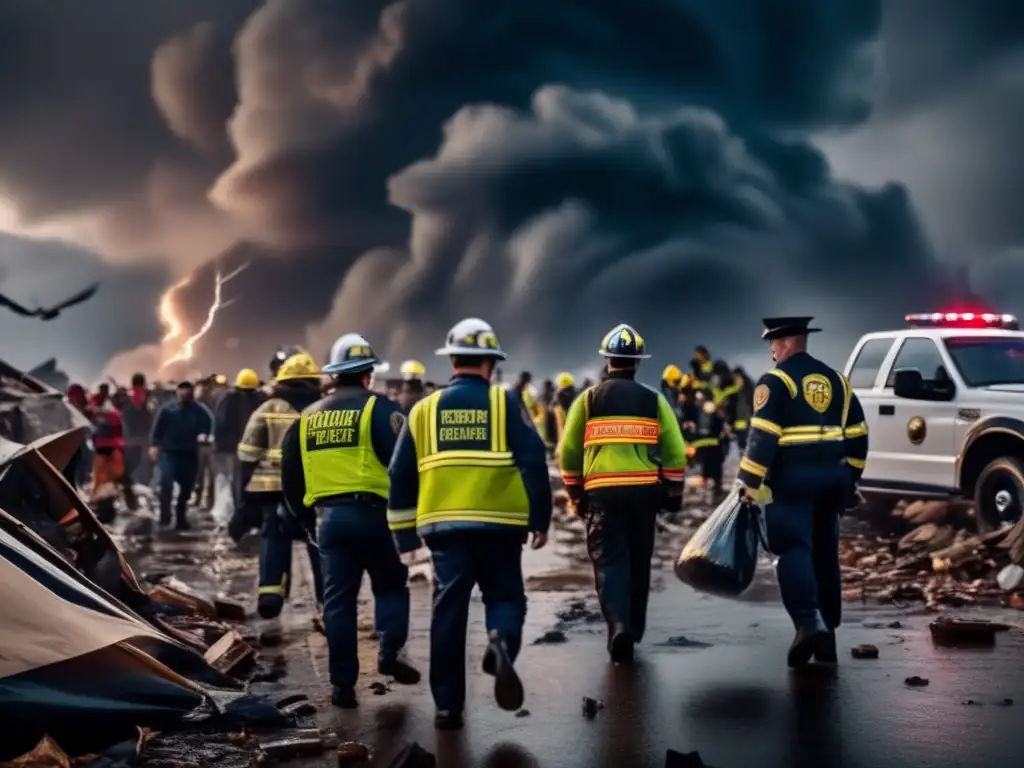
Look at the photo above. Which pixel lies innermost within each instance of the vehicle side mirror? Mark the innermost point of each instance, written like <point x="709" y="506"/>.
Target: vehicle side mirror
<point x="908" y="383"/>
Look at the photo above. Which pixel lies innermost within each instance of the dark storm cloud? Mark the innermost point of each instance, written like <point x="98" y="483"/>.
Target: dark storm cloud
<point x="935" y="45"/>
<point x="951" y="120"/>
<point x="558" y="223"/>
<point x="652" y="186"/>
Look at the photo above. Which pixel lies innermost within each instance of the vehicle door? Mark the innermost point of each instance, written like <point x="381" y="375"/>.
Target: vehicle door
<point x="866" y="376"/>
<point x="918" y="437"/>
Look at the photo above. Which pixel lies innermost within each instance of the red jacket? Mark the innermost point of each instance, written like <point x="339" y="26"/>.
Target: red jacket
<point x="108" y="431"/>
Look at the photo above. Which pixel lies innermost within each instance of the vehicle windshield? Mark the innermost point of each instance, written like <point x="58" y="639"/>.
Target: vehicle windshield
<point x="983" y="362"/>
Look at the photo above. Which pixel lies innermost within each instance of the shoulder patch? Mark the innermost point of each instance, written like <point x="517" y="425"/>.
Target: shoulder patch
<point x="761" y="395"/>
<point x="397" y="421"/>
<point x="817" y="391"/>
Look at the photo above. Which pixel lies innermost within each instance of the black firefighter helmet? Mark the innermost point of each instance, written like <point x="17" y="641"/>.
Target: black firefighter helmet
<point x="282" y="354"/>
<point x="623" y="341"/>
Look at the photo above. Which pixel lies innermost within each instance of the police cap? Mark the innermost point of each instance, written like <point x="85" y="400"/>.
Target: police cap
<point x="783" y="327"/>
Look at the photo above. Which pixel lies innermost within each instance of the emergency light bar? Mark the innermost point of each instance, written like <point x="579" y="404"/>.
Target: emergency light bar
<point x="963" y="320"/>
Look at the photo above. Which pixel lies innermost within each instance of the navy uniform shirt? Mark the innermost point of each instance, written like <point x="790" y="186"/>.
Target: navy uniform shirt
<point x="806" y="422"/>
<point x="386" y="422"/>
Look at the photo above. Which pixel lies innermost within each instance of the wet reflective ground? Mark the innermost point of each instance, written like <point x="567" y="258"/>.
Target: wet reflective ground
<point x="724" y="691"/>
<point x="711" y="677"/>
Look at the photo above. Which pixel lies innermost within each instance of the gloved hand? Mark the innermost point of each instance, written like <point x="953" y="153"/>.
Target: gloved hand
<point x="760" y="497"/>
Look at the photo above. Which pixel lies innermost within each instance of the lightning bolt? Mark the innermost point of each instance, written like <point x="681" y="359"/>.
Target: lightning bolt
<point x="174" y="324"/>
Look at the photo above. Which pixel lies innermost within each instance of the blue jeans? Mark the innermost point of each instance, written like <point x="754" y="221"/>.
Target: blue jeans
<point x="492" y="560"/>
<point x="176" y="467"/>
<point x="347" y="550"/>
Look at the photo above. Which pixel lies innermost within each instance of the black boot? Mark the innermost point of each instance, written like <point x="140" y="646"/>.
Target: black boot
<point x="508" y="688"/>
<point x="403" y="672"/>
<point x="826" y="653"/>
<point x="344" y="697"/>
<point x="620" y="648"/>
<point x="809" y="637"/>
<point x="448" y="721"/>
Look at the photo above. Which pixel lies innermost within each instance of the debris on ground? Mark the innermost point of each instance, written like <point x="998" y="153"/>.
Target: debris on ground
<point x="377" y="688"/>
<point x="681" y="641"/>
<point x="232" y="655"/>
<point x="1011" y="577"/>
<point x="353" y="753"/>
<point x="523" y="713"/>
<point x="591" y="707"/>
<point x="924" y="551"/>
<point x="229" y="610"/>
<point x="1005" y="703"/>
<point x="675" y="759"/>
<point x="551" y="637"/>
<point x="307" y="742"/>
<point x="954" y="632"/>
<point x="414" y="756"/>
<point x="46" y="754"/>
<point x="864" y="651"/>
<point x="916" y="682"/>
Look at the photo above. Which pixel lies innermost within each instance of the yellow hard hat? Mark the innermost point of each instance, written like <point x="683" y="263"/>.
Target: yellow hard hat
<point x="672" y="375"/>
<point x="300" y="366"/>
<point x="413" y="369"/>
<point x="247" y="378"/>
<point x="564" y="381"/>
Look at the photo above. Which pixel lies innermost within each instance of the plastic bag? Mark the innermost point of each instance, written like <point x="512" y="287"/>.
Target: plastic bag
<point x="721" y="557"/>
<point x="223" y="500"/>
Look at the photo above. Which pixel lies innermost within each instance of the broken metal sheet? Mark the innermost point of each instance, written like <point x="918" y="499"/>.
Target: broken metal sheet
<point x="24" y="549"/>
<point x="74" y="664"/>
<point x="57" y="448"/>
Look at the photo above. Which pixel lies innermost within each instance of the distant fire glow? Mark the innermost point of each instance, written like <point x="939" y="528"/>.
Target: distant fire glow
<point x="171" y="320"/>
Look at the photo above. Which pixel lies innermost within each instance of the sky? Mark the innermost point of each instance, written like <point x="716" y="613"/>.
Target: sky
<point x="687" y="166"/>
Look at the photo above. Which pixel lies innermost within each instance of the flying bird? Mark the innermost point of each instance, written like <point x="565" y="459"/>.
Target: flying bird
<point x="50" y="313"/>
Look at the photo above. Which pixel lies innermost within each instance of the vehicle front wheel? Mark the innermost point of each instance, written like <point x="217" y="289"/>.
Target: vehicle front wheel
<point x="999" y="494"/>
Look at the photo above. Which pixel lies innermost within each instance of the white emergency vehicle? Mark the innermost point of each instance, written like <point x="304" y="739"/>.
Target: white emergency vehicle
<point x="944" y="401"/>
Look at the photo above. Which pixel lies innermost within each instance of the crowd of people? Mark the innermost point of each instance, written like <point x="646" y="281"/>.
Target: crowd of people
<point x="196" y="438"/>
<point x="365" y="474"/>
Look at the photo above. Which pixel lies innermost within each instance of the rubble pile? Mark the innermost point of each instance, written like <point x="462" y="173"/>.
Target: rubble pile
<point x="926" y="552"/>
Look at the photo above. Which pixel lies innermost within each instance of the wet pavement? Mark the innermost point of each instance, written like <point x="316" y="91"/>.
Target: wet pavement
<point x="723" y="691"/>
<point x="710" y="677"/>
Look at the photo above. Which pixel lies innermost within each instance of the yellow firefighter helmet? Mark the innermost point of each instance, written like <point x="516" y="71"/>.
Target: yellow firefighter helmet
<point x="672" y="375"/>
<point x="247" y="378"/>
<point x="413" y="369"/>
<point x="564" y="381"/>
<point x="300" y="366"/>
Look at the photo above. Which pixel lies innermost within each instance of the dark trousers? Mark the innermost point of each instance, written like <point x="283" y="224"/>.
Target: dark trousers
<point x="462" y="559"/>
<point x="347" y="550"/>
<point x="176" y="467"/>
<point x="620" y="541"/>
<point x="278" y="532"/>
<point x="804" y="535"/>
<point x="711" y="458"/>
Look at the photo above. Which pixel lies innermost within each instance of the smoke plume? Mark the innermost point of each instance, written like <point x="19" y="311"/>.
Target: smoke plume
<point x="390" y="167"/>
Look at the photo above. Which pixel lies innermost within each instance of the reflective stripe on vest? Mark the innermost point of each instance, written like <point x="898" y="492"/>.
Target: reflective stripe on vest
<point x="476" y="482"/>
<point x="338" y="456"/>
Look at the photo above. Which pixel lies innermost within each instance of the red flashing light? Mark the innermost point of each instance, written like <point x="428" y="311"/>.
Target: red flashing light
<point x="963" y="320"/>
